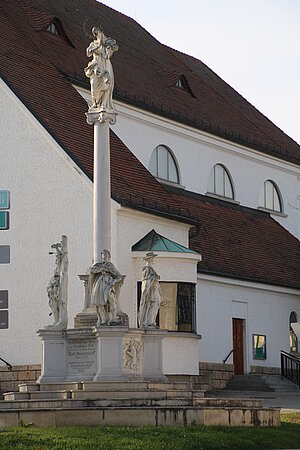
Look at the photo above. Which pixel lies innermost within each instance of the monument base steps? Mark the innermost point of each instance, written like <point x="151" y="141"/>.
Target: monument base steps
<point x="155" y="416"/>
<point x="128" y="403"/>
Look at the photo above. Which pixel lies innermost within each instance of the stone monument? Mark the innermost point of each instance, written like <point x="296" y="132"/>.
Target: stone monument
<point x="110" y="350"/>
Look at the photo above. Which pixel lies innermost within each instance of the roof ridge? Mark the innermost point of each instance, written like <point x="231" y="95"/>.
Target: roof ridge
<point x="226" y="100"/>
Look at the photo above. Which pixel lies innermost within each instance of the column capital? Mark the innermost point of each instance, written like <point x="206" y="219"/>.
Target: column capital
<point x="101" y="114"/>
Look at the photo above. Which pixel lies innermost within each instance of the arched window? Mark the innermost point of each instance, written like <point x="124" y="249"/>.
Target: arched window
<point x="219" y="182"/>
<point x="162" y="164"/>
<point x="293" y="337"/>
<point x="270" y="197"/>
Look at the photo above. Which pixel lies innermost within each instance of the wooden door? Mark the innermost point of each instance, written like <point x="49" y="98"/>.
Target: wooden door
<point x="238" y="345"/>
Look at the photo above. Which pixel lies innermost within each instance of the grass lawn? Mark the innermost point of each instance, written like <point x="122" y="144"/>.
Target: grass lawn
<point x="144" y="438"/>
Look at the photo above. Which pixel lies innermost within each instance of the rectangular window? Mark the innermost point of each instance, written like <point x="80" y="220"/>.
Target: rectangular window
<point x="178" y="309"/>
<point x="259" y="346"/>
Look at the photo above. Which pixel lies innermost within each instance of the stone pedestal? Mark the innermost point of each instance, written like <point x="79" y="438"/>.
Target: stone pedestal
<point x="88" y="316"/>
<point x="109" y="353"/>
<point x="152" y="365"/>
<point x="105" y="353"/>
<point x="54" y="366"/>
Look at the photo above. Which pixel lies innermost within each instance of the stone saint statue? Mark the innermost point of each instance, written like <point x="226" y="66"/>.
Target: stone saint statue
<point x="100" y="71"/>
<point x="57" y="288"/>
<point x="151" y="296"/>
<point x="105" y="282"/>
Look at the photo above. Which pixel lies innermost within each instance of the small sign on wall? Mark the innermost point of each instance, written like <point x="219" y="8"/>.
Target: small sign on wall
<point x="259" y="346"/>
<point x="4" y="220"/>
<point x="3" y="319"/>
<point x="4" y="254"/>
<point x="3" y="299"/>
<point x="4" y="200"/>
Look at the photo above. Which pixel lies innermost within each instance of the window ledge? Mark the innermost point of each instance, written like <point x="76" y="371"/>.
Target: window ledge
<point x="183" y="334"/>
<point x="271" y="211"/>
<point x="225" y="199"/>
<point x="170" y="183"/>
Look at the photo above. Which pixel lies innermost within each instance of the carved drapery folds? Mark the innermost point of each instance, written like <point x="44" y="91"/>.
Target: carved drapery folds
<point x="105" y="282"/>
<point x="57" y="288"/>
<point x="151" y="296"/>
<point x="101" y="75"/>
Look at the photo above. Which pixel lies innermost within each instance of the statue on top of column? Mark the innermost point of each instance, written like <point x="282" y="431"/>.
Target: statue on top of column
<point x="100" y="71"/>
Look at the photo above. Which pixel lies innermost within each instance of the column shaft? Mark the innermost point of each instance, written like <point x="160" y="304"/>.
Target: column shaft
<point x="102" y="190"/>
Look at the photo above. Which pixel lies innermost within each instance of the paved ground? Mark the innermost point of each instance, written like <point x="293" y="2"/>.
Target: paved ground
<point x="288" y="401"/>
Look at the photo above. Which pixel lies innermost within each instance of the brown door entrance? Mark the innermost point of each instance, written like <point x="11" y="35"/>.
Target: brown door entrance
<point x="238" y="345"/>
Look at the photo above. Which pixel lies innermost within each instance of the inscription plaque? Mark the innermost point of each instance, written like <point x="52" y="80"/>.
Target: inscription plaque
<point x="81" y="357"/>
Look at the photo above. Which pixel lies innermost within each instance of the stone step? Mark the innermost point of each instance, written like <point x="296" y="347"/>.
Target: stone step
<point x="37" y="395"/>
<point x="29" y="387"/>
<point x="100" y="402"/>
<point x="227" y="402"/>
<point x="156" y="416"/>
<point x="130" y="385"/>
<point x="137" y="394"/>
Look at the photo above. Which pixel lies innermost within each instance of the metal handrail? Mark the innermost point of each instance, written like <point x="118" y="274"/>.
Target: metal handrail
<point x="224" y="360"/>
<point x="9" y="366"/>
<point x="290" y="367"/>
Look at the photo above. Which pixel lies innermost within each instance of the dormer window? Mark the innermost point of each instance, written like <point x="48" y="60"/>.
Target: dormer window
<point x="183" y="84"/>
<point x="52" y="28"/>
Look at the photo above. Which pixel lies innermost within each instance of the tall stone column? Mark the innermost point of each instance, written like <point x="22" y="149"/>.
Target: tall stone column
<point x="101" y="114"/>
<point x="102" y="186"/>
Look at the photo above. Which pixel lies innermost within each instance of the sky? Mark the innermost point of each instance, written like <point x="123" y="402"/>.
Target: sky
<point x="254" y="45"/>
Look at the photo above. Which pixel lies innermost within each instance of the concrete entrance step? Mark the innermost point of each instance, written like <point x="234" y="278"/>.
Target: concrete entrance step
<point x="280" y="384"/>
<point x="248" y="383"/>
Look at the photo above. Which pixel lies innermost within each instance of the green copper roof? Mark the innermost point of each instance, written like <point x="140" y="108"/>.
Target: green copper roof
<point x="155" y="242"/>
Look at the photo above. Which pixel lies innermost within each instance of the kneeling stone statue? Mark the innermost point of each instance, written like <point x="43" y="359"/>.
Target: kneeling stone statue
<point x="57" y="288"/>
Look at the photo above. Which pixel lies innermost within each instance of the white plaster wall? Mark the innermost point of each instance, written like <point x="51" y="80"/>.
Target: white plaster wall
<point x="197" y="152"/>
<point x="266" y="311"/>
<point x="49" y="197"/>
<point x="181" y="355"/>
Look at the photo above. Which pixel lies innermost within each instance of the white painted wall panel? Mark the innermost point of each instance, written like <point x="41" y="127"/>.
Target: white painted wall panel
<point x="265" y="311"/>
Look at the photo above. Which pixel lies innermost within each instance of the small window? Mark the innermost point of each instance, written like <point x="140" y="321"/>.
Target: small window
<point x="52" y="28"/>
<point x="178" y="309"/>
<point x="219" y="182"/>
<point x="293" y="337"/>
<point x="162" y="164"/>
<point x="270" y="197"/>
<point x="183" y="84"/>
<point x="180" y="84"/>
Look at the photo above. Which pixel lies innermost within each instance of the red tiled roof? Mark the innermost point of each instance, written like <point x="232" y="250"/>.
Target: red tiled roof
<point x="146" y="73"/>
<point x="241" y="242"/>
<point x="234" y="241"/>
<point x="30" y="72"/>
